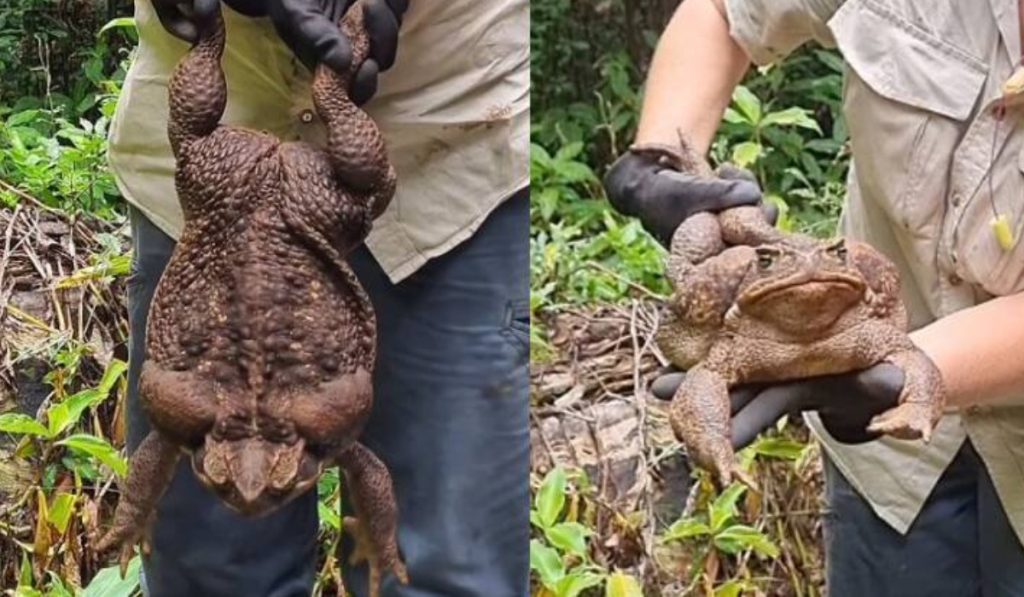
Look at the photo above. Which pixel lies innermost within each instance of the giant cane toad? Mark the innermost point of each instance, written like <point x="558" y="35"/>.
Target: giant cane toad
<point x="261" y="342"/>
<point x="755" y="305"/>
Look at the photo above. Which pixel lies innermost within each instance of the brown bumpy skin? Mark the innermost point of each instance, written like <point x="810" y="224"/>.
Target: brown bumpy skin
<point x="753" y="305"/>
<point x="261" y="342"/>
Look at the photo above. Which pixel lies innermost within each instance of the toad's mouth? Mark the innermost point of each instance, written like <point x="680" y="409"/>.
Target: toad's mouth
<point x="817" y="284"/>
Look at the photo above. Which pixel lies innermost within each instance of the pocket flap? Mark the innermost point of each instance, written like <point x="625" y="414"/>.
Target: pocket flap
<point x="902" y="62"/>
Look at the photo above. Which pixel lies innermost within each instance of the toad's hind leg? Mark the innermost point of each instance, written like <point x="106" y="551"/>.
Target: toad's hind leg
<point x="151" y="471"/>
<point x="198" y="92"/>
<point x="375" y="530"/>
<point x="701" y="419"/>
<point x="921" y="401"/>
<point x="355" y="145"/>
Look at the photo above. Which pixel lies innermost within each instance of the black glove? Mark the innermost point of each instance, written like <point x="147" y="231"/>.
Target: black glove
<point x="846" y="403"/>
<point x="310" y="29"/>
<point x="182" y="18"/>
<point x="638" y="185"/>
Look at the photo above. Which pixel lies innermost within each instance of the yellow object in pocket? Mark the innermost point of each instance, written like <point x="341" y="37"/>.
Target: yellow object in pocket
<point x="1001" y="228"/>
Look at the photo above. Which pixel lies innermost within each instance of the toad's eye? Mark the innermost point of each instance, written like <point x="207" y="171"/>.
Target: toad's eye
<point x="838" y="250"/>
<point x="765" y="258"/>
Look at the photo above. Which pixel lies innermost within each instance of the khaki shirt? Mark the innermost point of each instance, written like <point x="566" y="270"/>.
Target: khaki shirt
<point x="921" y="80"/>
<point x="454" y="110"/>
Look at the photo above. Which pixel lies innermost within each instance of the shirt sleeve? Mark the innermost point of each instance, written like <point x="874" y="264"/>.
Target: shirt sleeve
<point x="769" y="30"/>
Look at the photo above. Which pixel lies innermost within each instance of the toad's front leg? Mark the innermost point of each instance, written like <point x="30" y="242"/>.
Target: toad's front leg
<point x="376" y="528"/>
<point x="152" y="467"/>
<point x="700" y="416"/>
<point x="921" y="400"/>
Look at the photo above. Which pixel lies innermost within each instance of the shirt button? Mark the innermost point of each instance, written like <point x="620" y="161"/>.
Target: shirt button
<point x="306" y="116"/>
<point x="956" y="199"/>
<point x="954" y="279"/>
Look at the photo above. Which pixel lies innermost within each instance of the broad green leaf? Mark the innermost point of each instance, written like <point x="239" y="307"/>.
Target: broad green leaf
<point x="119" y="23"/>
<point x="569" y="151"/>
<point x="724" y="506"/>
<point x="741" y="537"/>
<point x="779" y="447"/>
<point x="685" y="528"/>
<point x="746" y="153"/>
<point x="733" y="117"/>
<point x="798" y="117"/>
<point x="551" y="496"/>
<point x="99" y="449"/>
<point x="60" y="511"/>
<point x="23" y="591"/>
<point x="570" y="537"/>
<point x="23" y="117"/>
<point x="547" y="562"/>
<point x="620" y="584"/>
<point x="21" y="424"/>
<point x="575" y="583"/>
<point x="66" y="414"/>
<point x="748" y="104"/>
<point x="108" y="583"/>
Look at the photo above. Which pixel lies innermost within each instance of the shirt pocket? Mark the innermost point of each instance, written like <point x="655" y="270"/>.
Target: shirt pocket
<point x="908" y="95"/>
<point x="980" y="258"/>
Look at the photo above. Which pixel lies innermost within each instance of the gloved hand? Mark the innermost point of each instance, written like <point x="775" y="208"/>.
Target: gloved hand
<point x="846" y="402"/>
<point x="309" y="28"/>
<point x="640" y="186"/>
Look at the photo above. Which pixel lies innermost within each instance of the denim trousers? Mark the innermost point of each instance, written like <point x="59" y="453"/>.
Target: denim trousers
<point x="450" y="420"/>
<point x="960" y="545"/>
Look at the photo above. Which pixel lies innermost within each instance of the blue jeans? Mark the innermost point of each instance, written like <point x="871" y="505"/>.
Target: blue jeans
<point x="450" y="420"/>
<point x="960" y="545"/>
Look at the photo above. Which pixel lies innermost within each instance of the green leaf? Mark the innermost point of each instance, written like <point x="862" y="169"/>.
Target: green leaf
<point x="746" y="153"/>
<point x="60" y="511"/>
<point x="575" y="583"/>
<point x="570" y="537"/>
<point x="569" y="151"/>
<point x="108" y="583"/>
<point x="798" y="117"/>
<point x="685" y="528"/>
<point x="620" y="584"/>
<point x="329" y="516"/>
<point x="730" y="589"/>
<point x="724" y="506"/>
<point x="119" y="23"/>
<point x="741" y="537"/>
<point x="99" y="449"/>
<point x="547" y="563"/>
<point x="21" y="424"/>
<point x="67" y="413"/>
<point x="748" y="104"/>
<point x="551" y="496"/>
<point x="779" y="447"/>
<point x="23" y="117"/>
<point x="733" y="117"/>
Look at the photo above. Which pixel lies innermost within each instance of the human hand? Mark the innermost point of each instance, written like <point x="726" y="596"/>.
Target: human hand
<point x="641" y="185"/>
<point x="310" y="29"/>
<point x="846" y="403"/>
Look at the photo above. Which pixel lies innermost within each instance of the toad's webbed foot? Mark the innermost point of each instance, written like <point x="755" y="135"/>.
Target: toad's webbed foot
<point x="375" y="530"/>
<point x="152" y="467"/>
<point x="921" y="401"/>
